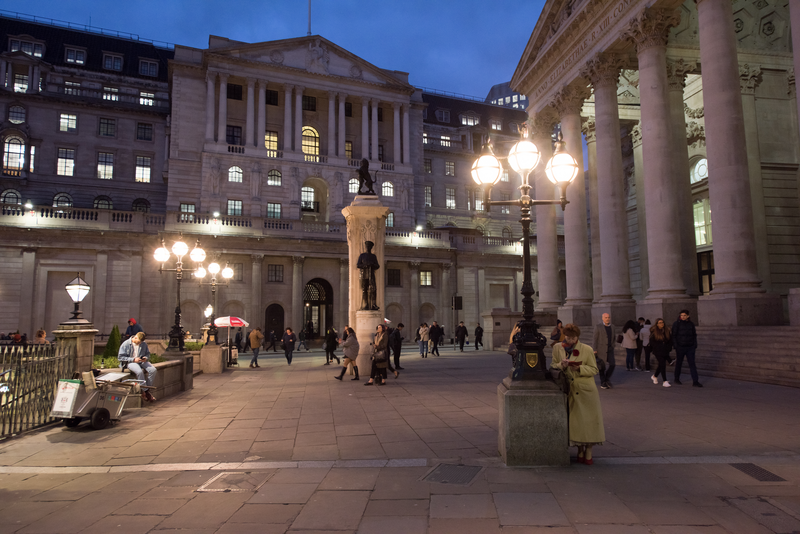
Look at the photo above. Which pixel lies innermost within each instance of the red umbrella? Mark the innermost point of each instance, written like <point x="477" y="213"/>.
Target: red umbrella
<point x="234" y="322"/>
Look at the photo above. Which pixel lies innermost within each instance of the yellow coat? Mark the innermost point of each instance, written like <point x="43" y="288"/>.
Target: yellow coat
<point x="585" y="414"/>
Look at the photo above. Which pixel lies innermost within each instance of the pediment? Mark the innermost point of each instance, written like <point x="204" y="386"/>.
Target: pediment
<point x="315" y="55"/>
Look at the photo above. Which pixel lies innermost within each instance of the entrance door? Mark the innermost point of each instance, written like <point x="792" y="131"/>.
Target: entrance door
<point x="273" y="320"/>
<point x="317" y="307"/>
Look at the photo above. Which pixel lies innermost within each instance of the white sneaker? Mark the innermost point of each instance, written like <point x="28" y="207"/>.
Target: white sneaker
<point x="666" y="384"/>
<point x="654" y="379"/>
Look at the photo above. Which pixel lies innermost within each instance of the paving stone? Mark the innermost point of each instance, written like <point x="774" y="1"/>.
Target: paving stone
<point x="283" y="494"/>
<point x="462" y="506"/>
<point x="403" y="507"/>
<point x="282" y="514"/>
<point x="299" y="476"/>
<point x="350" y="479"/>
<point x="669" y="513"/>
<point x="540" y="509"/>
<point x="80" y="514"/>
<point x="393" y="525"/>
<point x="206" y="510"/>
<point x="276" y="434"/>
<point x="464" y="526"/>
<point x="149" y="506"/>
<point x="328" y="510"/>
<point x="140" y="524"/>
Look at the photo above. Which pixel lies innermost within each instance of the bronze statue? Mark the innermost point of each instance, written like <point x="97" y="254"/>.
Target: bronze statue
<point x="364" y="177"/>
<point x="368" y="264"/>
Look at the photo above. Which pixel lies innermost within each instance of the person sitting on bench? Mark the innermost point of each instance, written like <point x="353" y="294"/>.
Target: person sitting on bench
<point x="135" y="355"/>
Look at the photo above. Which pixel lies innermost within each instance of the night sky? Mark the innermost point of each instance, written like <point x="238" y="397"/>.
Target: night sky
<point x="459" y="46"/>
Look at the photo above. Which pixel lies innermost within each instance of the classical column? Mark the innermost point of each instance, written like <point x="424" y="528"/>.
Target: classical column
<point x="577" y="307"/>
<point x="396" y="133"/>
<point x="223" y="109"/>
<point x="256" y="312"/>
<point x="342" y="98"/>
<point x="298" y="118"/>
<point x="676" y="76"/>
<point x="100" y="288"/>
<point x="546" y="238"/>
<point x="364" y="127"/>
<point x="444" y="293"/>
<point x="406" y="136"/>
<point x="27" y="283"/>
<point x="641" y="219"/>
<point x="603" y="71"/>
<point x="331" y="123"/>
<point x="666" y="295"/>
<point x="287" y="117"/>
<point x="480" y="285"/>
<point x="3" y="67"/>
<point x="261" y="124"/>
<point x="210" y="87"/>
<point x="794" y="16"/>
<point x="251" y="110"/>
<point x="135" y="298"/>
<point x="590" y="133"/>
<point x="749" y="78"/>
<point x="344" y="292"/>
<point x="297" y="292"/>
<point x="734" y="299"/>
<point x="374" y="152"/>
<point x="414" y="294"/>
<point x="33" y="81"/>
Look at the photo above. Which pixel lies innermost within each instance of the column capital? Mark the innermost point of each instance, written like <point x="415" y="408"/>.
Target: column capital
<point x="677" y="71"/>
<point x="749" y="78"/>
<point x="299" y="89"/>
<point x="414" y="264"/>
<point x="223" y="77"/>
<point x="211" y="76"/>
<point x="569" y="100"/>
<point x="257" y="258"/>
<point x="543" y="123"/>
<point x="251" y="82"/>
<point x="589" y="130"/>
<point x="331" y="95"/>
<point x="636" y="135"/>
<point x="263" y="83"/>
<point x="344" y="262"/>
<point x="364" y="100"/>
<point x="298" y="260"/>
<point x="288" y="87"/>
<point x="603" y="69"/>
<point x="374" y="101"/>
<point x="651" y="28"/>
<point x="342" y="96"/>
<point x="396" y="105"/>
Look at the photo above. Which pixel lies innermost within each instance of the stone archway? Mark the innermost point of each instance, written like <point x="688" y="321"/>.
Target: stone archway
<point x="274" y="317"/>
<point x="317" y="307"/>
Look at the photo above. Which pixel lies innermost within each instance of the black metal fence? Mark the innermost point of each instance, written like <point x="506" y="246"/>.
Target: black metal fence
<point x="28" y="381"/>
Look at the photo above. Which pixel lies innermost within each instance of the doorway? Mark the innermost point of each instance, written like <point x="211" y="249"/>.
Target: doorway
<point x="273" y="320"/>
<point x="317" y="307"/>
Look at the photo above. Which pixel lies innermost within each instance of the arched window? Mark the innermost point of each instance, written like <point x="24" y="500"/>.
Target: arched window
<point x="308" y="200"/>
<point x="390" y="220"/>
<point x="387" y="189"/>
<point x="141" y="204"/>
<point x="62" y="200"/>
<point x="274" y="177"/>
<point x="699" y="171"/>
<point x="103" y="203"/>
<point x="235" y="174"/>
<point x="507" y="233"/>
<point x="11" y="196"/>
<point x="13" y="156"/>
<point x="16" y="114"/>
<point x="310" y="144"/>
<point x="352" y="186"/>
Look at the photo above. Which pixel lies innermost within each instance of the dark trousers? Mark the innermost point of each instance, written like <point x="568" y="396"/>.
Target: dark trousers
<point x="396" y="352"/>
<point x="330" y="356"/>
<point x="288" y="354"/>
<point x="647" y="357"/>
<point x="376" y="372"/>
<point x="638" y="354"/>
<point x="478" y="341"/>
<point x="271" y="346"/>
<point x="680" y="353"/>
<point x="606" y="376"/>
<point x="461" y="344"/>
<point x="255" y="356"/>
<point x="662" y="367"/>
<point x="435" y="349"/>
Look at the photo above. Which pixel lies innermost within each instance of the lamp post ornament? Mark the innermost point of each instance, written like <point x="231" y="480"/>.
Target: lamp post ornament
<point x="529" y="363"/>
<point x="198" y="255"/>
<point x="227" y="274"/>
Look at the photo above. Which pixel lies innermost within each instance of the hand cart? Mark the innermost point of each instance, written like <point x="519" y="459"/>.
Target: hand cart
<point x="99" y="399"/>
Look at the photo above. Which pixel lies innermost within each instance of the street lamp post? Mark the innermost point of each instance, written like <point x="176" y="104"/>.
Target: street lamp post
<point x="161" y="255"/>
<point x="227" y="274"/>
<point x="561" y="170"/>
<point x="77" y="290"/>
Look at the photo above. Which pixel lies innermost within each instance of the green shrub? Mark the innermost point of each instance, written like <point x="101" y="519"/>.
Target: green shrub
<point x="193" y="345"/>
<point x="109" y="363"/>
<point x="112" y="347"/>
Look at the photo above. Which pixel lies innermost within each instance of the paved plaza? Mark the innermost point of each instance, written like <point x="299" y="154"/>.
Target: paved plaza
<point x="290" y="449"/>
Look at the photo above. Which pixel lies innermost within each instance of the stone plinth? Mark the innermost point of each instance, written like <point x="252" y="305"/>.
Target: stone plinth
<point x="794" y="306"/>
<point x="740" y="309"/>
<point x="186" y="360"/>
<point x="211" y="359"/>
<point x="533" y="430"/>
<point x="79" y="340"/>
<point x="621" y="312"/>
<point x="365" y="324"/>
<point x="580" y="314"/>
<point x="667" y="309"/>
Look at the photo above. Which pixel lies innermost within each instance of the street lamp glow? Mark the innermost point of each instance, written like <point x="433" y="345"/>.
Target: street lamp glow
<point x="208" y="311"/>
<point x="161" y="254"/>
<point x="523" y="157"/>
<point x="227" y="272"/>
<point x="180" y="249"/>
<point x="200" y="272"/>
<point x="198" y="255"/>
<point x="486" y="169"/>
<point x="213" y="268"/>
<point x="562" y="168"/>
<point x="77" y="289"/>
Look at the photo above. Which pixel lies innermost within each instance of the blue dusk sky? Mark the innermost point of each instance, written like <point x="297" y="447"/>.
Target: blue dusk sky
<point x="462" y="46"/>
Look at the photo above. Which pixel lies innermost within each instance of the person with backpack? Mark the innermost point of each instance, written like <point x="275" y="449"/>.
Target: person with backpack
<point x="396" y="343"/>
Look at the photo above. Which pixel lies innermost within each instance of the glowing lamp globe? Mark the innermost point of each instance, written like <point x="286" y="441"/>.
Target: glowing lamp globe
<point x="227" y="272"/>
<point x="161" y="254"/>
<point x="487" y="169"/>
<point x="180" y="249"/>
<point x="562" y="168"/>
<point x="77" y="289"/>
<point x="200" y="273"/>
<point x="523" y="157"/>
<point x="198" y="255"/>
<point x="208" y="311"/>
<point x="213" y="268"/>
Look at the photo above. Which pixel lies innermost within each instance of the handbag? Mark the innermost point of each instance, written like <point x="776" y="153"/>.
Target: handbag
<point x="325" y="346"/>
<point x="619" y="338"/>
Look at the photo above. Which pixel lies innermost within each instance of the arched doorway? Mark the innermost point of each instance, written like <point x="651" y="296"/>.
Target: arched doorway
<point x="317" y="307"/>
<point x="273" y="320"/>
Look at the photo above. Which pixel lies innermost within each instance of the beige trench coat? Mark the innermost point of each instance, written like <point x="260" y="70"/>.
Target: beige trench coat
<point x="585" y="414"/>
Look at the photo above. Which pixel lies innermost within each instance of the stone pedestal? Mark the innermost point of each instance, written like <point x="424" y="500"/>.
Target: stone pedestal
<point x="212" y="360"/>
<point x="187" y="371"/>
<point x="794" y="305"/>
<point x="740" y="309"/>
<point x="579" y="314"/>
<point x="77" y="339"/>
<point x="533" y="429"/>
<point x="667" y="309"/>
<point x="365" y="324"/>
<point x="621" y="312"/>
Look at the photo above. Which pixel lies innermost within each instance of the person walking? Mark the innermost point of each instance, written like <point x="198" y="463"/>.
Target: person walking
<point x="396" y="344"/>
<point x="684" y="337"/>
<point x="350" y="352"/>
<point x="237" y="340"/>
<point x="303" y="340"/>
<point x="644" y="338"/>
<point x="424" y="337"/>
<point x="478" y="336"/>
<point x="435" y="332"/>
<point x="577" y="361"/>
<point x="660" y="345"/>
<point x="288" y="340"/>
<point x="256" y="337"/>
<point x="270" y="342"/>
<point x="603" y="341"/>
<point x="639" y="345"/>
<point x="629" y="337"/>
<point x="557" y="335"/>
<point x="380" y="357"/>
<point x="331" y="343"/>
<point x="461" y="335"/>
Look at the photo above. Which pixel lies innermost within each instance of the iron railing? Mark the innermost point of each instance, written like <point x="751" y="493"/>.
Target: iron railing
<point x="28" y="381"/>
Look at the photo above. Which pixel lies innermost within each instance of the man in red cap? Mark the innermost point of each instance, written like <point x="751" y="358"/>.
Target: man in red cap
<point x="133" y="329"/>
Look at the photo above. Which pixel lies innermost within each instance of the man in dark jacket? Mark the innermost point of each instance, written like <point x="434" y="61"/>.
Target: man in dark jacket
<point x="478" y="336"/>
<point x="684" y="338"/>
<point x="436" y="334"/>
<point x="237" y="340"/>
<point x="396" y="343"/>
<point x="461" y="335"/>
<point x="603" y="344"/>
<point x="133" y="329"/>
<point x="270" y="342"/>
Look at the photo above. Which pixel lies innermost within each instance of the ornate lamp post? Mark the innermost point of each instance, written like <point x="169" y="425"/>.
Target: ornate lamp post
<point x="162" y="255"/>
<point x="227" y="274"/>
<point x="561" y="170"/>
<point x="77" y="290"/>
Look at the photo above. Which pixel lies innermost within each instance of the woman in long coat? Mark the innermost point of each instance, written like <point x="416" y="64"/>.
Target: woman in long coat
<point x="576" y="360"/>
<point x="661" y="345"/>
<point x="380" y="357"/>
<point x="350" y="348"/>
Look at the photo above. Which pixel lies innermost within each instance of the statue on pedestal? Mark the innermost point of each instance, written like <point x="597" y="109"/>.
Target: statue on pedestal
<point x="367" y="265"/>
<point x="364" y="177"/>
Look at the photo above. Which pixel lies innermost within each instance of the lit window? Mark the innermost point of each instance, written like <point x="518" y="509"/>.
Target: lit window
<point x="505" y="209"/>
<point x="390" y="220"/>
<point x="470" y="120"/>
<point x="111" y="94"/>
<point x="62" y="200"/>
<point x="387" y="189"/>
<point x="148" y="68"/>
<point x="428" y="196"/>
<point x="450" y="198"/>
<point x="187" y="211"/>
<point x="103" y="203"/>
<point x="143" y="169"/>
<point x="478" y="200"/>
<point x="20" y="83"/>
<point x="235" y="207"/>
<point x="496" y="124"/>
<point x="514" y="98"/>
<point x="352" y="186"/>
<point x="702" y="222"/>
<point x="271" y="97"/>
<point x="16" y="114"/>
<point x="108" y="127"/>
<point x="72" y="88"/>
<point x="504" y="176"/>
<point x="426" y="278"/>
<point x="428" y="165"/>
<point x="274" y="273"/>
<point x="309" y="103"/>
<point x="13" y="156"/>
<point x="30" y="48"/>
<point x="515" y="106"/>
<point x="112" y="62"/>
<point x="66" y="162"/>
<point x="75" y="56"/>
<point x="144" y="131"/>
<point x="445" y="140"/>
<point x="105" y="165"/>
<point x="274" y="177"/>
<point x="508" y="100"/>
<point x="450" y="168"/>
<point x="141" y="204"/>
<point x="33" y="157"/>
<point x="147" y="99"/>
<point x="273" y="211"/>
<point x="523" y="97"/>
<point x="310" y="144"/>
<point x="442" y="115"/>
<point x="699" y="171"/>
<point x="68" y="122"/>
<point x="233" y="135"/>
<point x="306" y="194"/>
<point x="271" y="143"/>
<point x="11" y="196"/>
<point x="424" y="139"/>
<point x="348" y="149"/>
<point x="235" y="174"/>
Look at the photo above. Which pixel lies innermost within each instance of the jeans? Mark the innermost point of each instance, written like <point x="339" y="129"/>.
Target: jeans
<point x="255" y="355"/>
<point x="288" y="353"/>
<point x="139" y="369"/>
<point x="688" y="352"/>
<point x="302" y="344"/>
<point x="423" y="348"/>
<point x="629" y="354"/>
<point x="605" y="377"/>
<point x="662" y="367"/>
